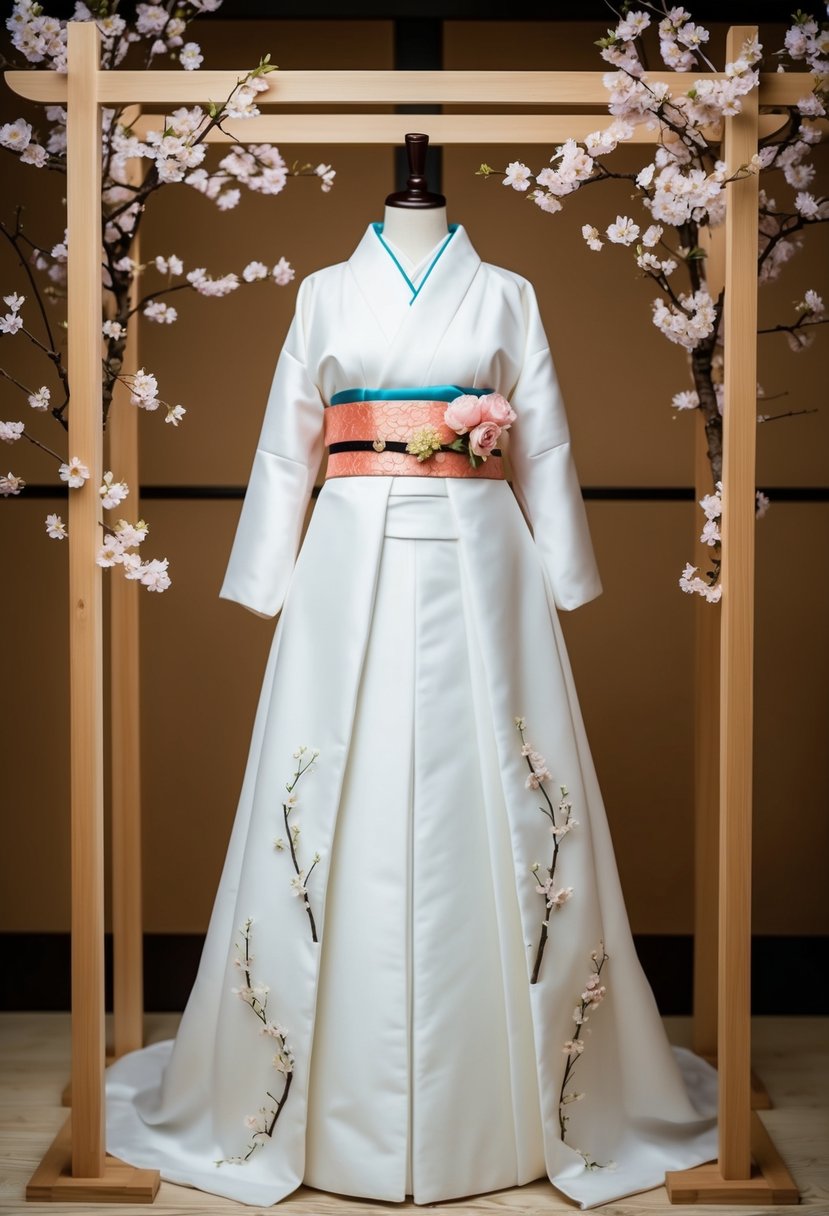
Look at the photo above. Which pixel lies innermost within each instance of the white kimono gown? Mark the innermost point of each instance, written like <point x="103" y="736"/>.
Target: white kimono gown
<point x="419" y="1055"/>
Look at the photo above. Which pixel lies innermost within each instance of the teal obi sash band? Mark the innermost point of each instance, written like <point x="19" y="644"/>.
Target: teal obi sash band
<point x="429" y="392"/>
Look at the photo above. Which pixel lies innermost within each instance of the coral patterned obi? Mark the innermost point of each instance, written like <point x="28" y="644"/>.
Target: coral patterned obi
<point x="399" y="433"/>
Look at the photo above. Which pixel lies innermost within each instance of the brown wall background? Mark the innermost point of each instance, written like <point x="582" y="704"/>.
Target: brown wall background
<point x="203" y="659"/>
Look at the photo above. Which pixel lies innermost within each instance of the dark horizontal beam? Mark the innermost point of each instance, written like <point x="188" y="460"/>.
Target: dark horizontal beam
<point x="590" y="493"/>
<point x="40" y="964"/>
<point x="469" y="10"/>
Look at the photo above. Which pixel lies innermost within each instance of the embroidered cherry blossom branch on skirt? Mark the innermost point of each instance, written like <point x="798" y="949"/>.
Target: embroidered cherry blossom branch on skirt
<point x="592" y="996"/>
<point x="554" y="898"/>
<point x="299" y="883"/>
<point x="261" y="1124"/>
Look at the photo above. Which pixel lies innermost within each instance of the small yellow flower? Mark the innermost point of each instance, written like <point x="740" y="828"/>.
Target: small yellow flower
<point x="424" y="442"/>
<point x="379" y="445"/>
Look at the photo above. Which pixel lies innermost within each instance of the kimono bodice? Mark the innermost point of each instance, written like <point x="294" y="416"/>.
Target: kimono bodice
<point x="365" y="324"/>
<point x="460" y="321"/>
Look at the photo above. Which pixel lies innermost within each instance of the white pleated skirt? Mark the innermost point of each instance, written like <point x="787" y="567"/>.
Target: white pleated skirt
<point x="423" y="1076"/>
<point x="426" y="1063"/>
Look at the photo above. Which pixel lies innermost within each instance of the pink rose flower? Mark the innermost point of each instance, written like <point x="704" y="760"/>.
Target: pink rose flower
<point x="483" y="438"/>
<point x="463" y="413"/>
<point x="495" y="408"/>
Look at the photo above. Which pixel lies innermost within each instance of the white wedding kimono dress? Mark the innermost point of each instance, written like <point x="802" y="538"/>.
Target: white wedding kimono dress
<point x="380" y="1008"/>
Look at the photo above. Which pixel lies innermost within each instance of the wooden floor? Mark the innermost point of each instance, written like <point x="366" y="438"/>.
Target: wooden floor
<point x="791" y="1055"/>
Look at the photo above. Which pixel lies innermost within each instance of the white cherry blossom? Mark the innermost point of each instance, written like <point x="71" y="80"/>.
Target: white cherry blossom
<point x="813" y="304"/>
<point x="55" y="527"/>
<point x="130" y="535"/>
<point x="11" y="323"/>
<point x="327" y="175"/>
<point x="144" y="390"/>
<point x="110" y="553"/>
<point x="160" y="312"/>
<point x="254" y="271"/>
<point x="34" y="154"/>
<point x="517" y="175"/>
<point x="112" y="492"/>
<point x="190" y="56"/>
<point x="623" y="231"/>
<point x="74" y="472"/>
<point x="170" y="265"/>
<point x="174" y="414"/>
<point x="547" y="202"/>
<point x="154" y="574"/>
<point x="206" y="285"/>
<point x="9" y="484"/>
<point x="40" y="399"/>
<point x="591" y="236"/>
<point x="10" y="432"/>
<point x="688" y="399"/>
<point x="283" y="272"/>
<point x="15" y="135"/>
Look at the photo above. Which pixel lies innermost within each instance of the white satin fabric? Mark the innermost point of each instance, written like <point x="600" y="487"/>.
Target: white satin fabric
<point x="419" y="619"/>
<point x="426" y="1017"/>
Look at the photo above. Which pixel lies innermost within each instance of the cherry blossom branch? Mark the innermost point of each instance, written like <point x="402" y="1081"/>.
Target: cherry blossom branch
<point x="25" y="435"/>
<point x="152" y="182"/>
<point x="774" y="239"/>
<point x="263" y="1123"/>
<point x="592" y="996"/>
<point x="154" y="295"/>
<point x="553" y="900"/>
<point x="787" y="414"/>
<point x="801" y="323"/>
<point x="299" y="883"/>
<point x="14" y="238"/>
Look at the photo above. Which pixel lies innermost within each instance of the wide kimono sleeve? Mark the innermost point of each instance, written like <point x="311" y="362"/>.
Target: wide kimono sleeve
<point x="545" y="481"/>
<point x="285" y="465"/>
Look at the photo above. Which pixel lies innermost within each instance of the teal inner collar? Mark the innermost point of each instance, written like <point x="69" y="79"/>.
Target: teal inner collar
<point x="378" y="228"/>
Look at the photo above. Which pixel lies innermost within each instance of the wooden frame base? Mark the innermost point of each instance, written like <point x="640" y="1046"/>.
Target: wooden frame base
<point x="770" y="1180"/>
<point x="53" y="1181"/>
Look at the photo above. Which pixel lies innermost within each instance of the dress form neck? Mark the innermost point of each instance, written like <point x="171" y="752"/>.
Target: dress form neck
<point x="415" y="232"/>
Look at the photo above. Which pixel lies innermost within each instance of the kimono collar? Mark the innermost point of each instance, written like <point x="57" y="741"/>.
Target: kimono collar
<point x="394" y="301"/>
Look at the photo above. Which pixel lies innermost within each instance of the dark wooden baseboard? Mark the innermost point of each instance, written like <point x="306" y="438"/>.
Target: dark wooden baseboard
<point x="35" y="971"/>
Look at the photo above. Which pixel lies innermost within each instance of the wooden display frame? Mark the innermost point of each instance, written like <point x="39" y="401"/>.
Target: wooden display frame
<point x="76" y="1166"/>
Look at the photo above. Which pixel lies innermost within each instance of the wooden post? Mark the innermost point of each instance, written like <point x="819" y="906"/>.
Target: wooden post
<point x="706" y="732"/>
<point x="125" y="701"/>
<point x="732" y="1178"/>
<point x="75" y="1167"/>
<point x="83" y="200"/>
<point x="706" y="784"/>
<point x="737" y="639"/>
<point x="707" y="749"/>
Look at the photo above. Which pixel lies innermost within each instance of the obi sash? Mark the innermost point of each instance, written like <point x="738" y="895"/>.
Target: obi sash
<point x="367" y="432"/>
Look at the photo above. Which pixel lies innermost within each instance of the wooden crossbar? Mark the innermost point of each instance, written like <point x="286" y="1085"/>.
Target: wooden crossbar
<point x="442" y="129"/>
<point x="384" y="88"/>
